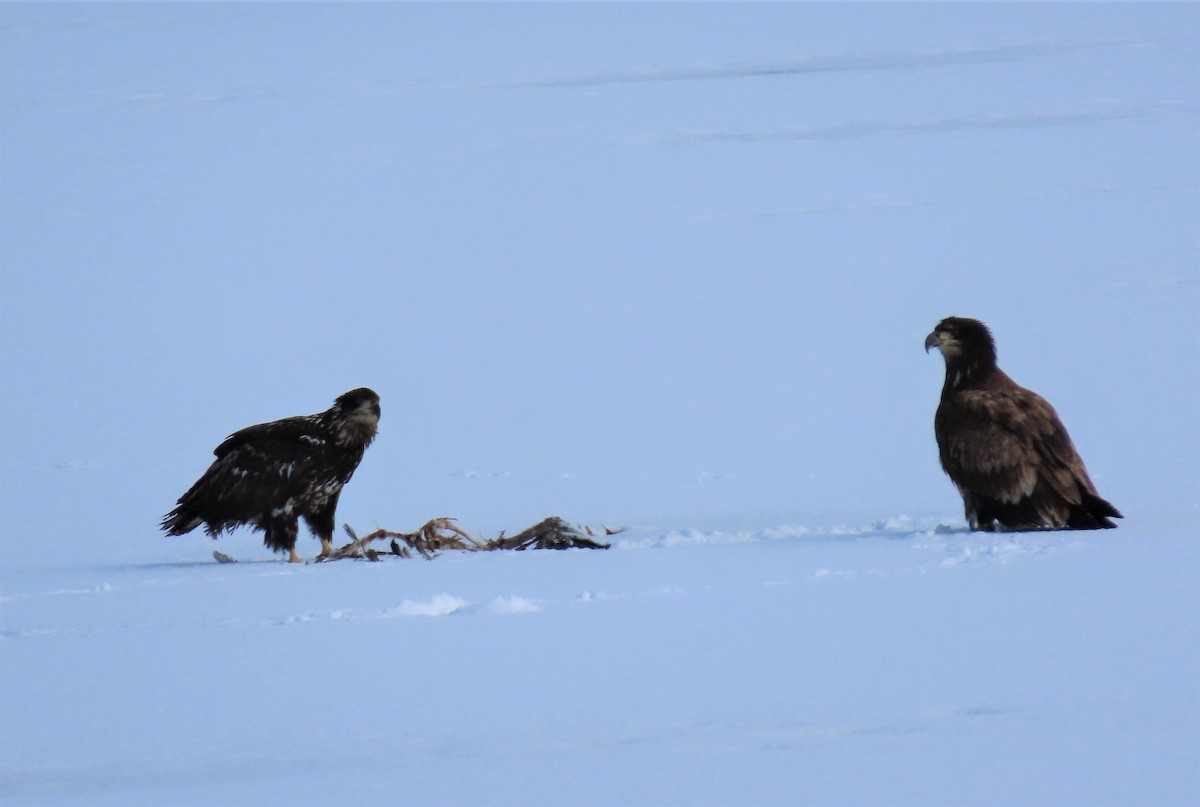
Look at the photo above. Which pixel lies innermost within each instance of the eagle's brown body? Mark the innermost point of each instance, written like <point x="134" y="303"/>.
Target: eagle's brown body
<point x="1004" y="446"/>
<point x="271" y="475"/>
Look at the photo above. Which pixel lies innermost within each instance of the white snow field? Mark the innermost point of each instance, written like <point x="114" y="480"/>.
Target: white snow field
<point x="854" y="664"/>
<point x="667" y="267"/>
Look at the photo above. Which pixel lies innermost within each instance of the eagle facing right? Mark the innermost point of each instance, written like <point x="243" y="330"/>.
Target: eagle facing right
<point x="1004" y="446"/>
<point x="271" y="475"/>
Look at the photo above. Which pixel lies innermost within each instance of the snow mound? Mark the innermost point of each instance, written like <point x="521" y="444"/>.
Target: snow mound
<point x="438" y="605"/>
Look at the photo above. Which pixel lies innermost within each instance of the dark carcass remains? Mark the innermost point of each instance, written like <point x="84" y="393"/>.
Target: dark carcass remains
<point x="442" y="534"/>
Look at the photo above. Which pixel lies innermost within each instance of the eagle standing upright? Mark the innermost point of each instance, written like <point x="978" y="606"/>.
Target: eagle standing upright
<point x="1003" y="446"/>
<point x="269" y="476"/>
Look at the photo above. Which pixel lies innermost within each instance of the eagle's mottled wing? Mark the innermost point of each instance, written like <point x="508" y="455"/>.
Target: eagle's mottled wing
<point x="287" y="438"/>
<point x="1004" y="443"/>
<point x="261" y="468"/>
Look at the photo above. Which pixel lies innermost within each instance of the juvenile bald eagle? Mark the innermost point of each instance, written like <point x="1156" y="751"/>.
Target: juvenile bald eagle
<point x="1003" y="446"/>
<point x="269" y="476"/>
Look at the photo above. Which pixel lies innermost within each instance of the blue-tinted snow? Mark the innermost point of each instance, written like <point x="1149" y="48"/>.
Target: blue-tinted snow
<point x="661" y="266"/>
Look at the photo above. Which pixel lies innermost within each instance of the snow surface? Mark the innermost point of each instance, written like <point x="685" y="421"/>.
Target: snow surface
<point x="667" y="267"/>
<point x="865" y="664"/>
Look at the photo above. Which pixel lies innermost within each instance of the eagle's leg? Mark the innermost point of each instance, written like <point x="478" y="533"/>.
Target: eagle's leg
<point x="279" y="535"/>
<point x="321" y="524"/>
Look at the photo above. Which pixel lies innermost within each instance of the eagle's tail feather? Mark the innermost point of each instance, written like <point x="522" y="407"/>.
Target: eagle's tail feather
<point x="181" y="520"/>
<point x="1093" y="513"/>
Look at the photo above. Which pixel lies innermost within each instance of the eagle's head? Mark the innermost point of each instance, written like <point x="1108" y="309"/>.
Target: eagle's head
<point x="968" y="348"/>
<point x="356" y="414"/>
<point x="960" y="336"/>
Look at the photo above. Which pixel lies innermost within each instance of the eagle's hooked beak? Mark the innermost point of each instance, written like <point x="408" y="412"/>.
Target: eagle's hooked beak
<point x="933" y="340"/>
